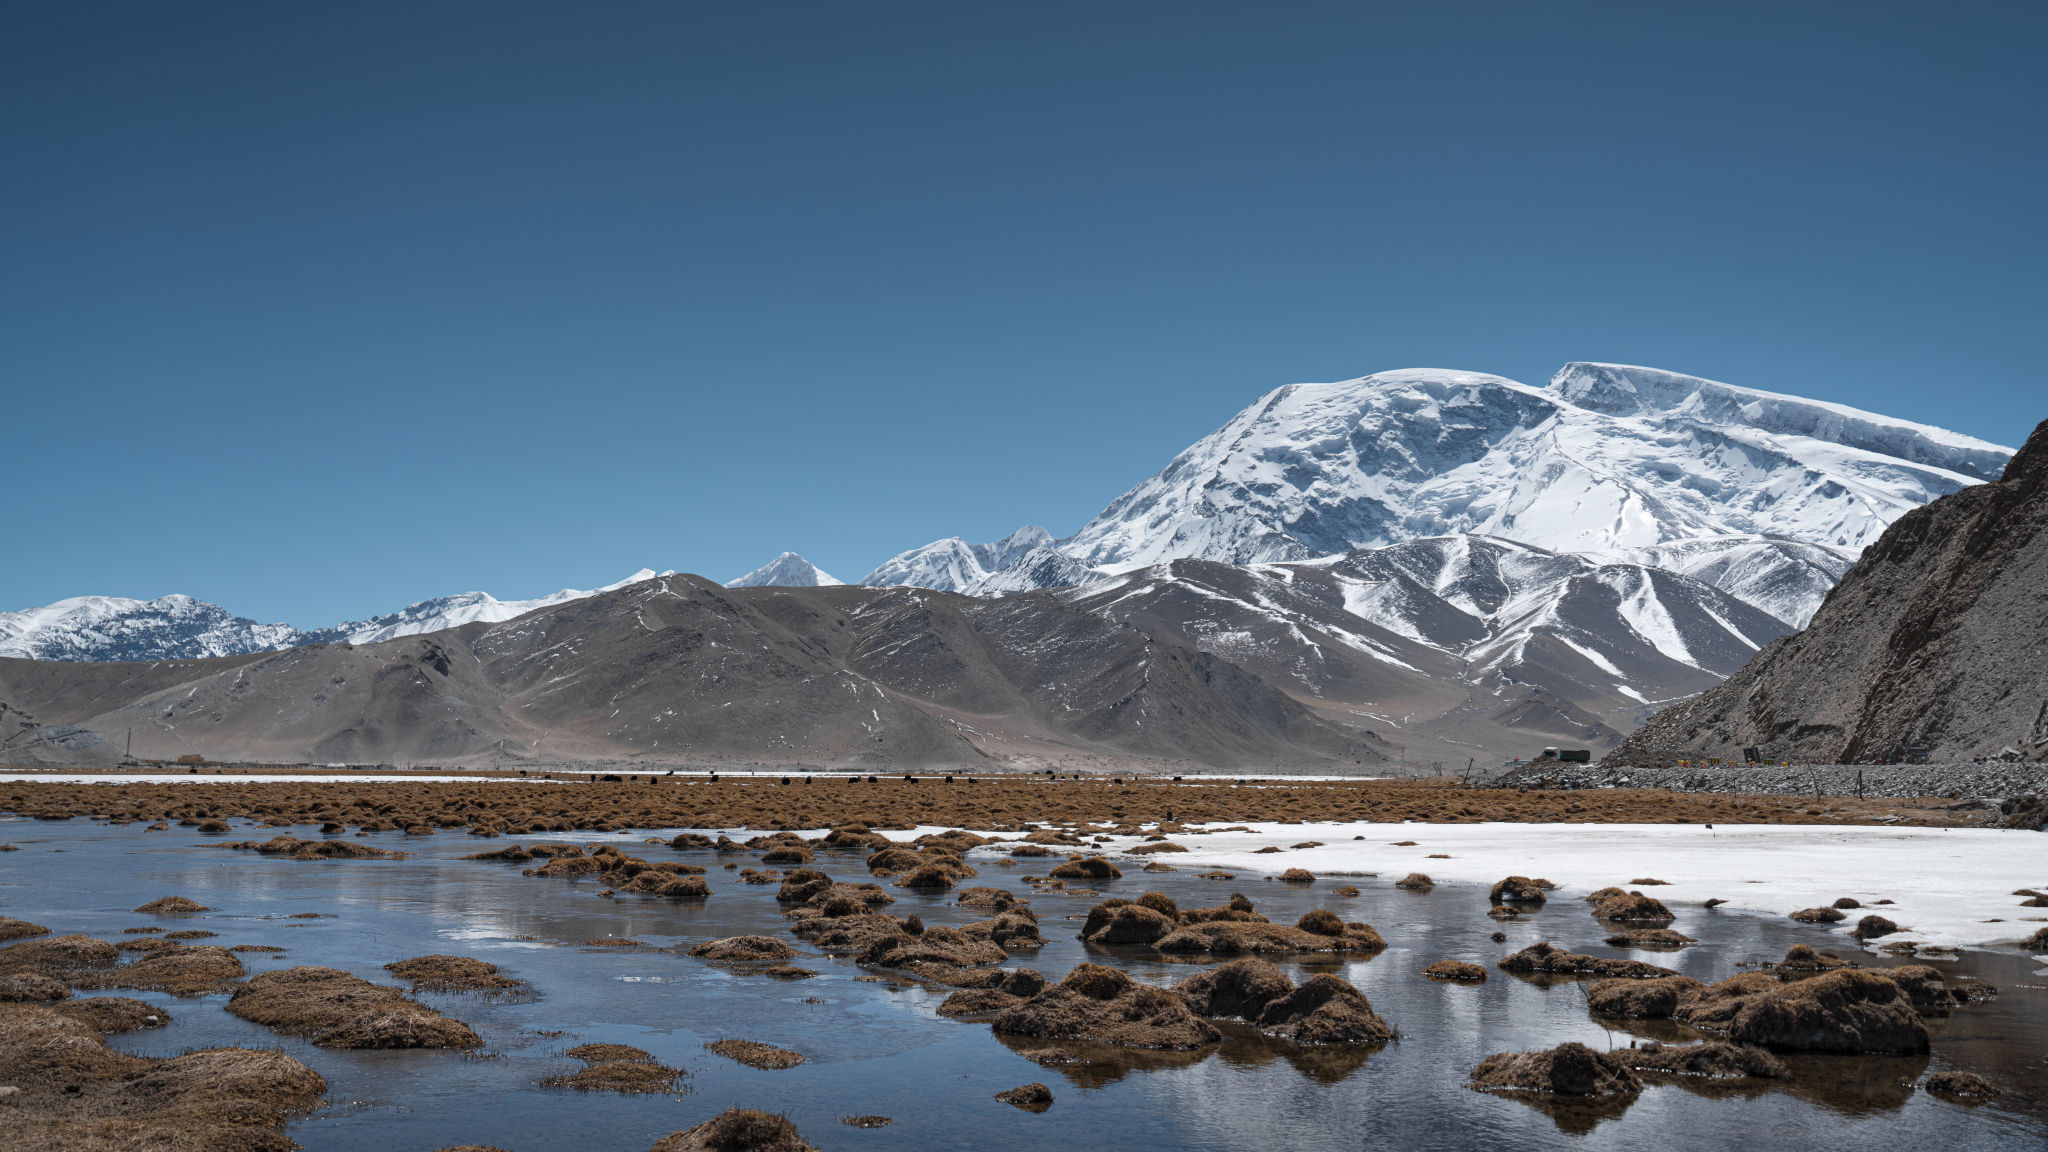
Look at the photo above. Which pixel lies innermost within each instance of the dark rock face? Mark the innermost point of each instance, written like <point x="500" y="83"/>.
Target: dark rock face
<point x="1930" y="641"/>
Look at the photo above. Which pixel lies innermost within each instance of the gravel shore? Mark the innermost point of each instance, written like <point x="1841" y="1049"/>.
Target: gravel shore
<point x="1962" y="781"/>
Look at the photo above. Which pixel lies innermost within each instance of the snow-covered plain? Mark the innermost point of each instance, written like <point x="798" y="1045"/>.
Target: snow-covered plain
<point x="1946" y="885"/>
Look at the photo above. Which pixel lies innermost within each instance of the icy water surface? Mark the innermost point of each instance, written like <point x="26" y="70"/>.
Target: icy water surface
<point x="880" y="1047"/>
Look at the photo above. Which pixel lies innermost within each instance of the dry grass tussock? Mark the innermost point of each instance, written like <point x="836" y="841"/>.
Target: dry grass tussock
<point x="616" y="1068"/>
<point x="12" y="929"/>
<point x="737" y="1130"/>
<point x="755" y="1054"/>
<point x="339" y="1010"/>
<point x="1848" y="1010"/>
<point x="173" y="904"/>
<point x="441" y="973"/>
<point x="1106" y="1006"/>
<point x="76" y="1093"/>
<point x="1545" y="958"/>
<point x="1710" y="1061"/>
<point x="1566" y="1070"/>
<point x="744" y="948"/>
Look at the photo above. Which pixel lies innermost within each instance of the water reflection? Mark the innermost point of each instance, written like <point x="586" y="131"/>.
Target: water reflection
<point x="875" y="1044"/>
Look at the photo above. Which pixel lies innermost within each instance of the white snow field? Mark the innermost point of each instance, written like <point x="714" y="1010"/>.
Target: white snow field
<point x="1946" y="885"/>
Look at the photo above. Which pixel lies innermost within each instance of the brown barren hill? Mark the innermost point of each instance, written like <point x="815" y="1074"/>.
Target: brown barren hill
<point x="1930" y="641"/>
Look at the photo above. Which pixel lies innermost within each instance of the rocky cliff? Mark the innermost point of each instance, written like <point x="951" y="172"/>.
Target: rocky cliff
<point x="1937" y="638"/>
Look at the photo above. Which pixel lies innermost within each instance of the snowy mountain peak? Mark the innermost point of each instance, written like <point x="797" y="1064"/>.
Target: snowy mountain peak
<point x="180" y="627"/>
<point x="1608" y="457"/>
<point x="788" y="570"/>
<point x="1631" y="390"/>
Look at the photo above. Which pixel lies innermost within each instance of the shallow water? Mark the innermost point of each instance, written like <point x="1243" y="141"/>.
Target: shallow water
<point x="880" y="1047"/>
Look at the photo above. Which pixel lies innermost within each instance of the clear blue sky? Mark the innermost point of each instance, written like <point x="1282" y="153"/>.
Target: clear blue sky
<point x="314" y="310"/>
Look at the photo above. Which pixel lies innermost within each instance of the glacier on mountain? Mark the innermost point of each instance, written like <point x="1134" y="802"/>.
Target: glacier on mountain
<point x="1766" y="497"/>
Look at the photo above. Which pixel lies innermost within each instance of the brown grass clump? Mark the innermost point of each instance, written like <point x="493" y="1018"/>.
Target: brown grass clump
<point x="1106" y="1006"/>
<point x="1710" y="1061"/>
<point x="1237" y="937"/>
<point x="935" y="875"/>
<point x="616" y="1068"/>
<point x="1241" y="988"/>
<point x="1648" y="999"/>
<point x="737" y="1130"/>
<point x="1566" y="1070"/>
<point x="173" y="904"/>
<point x="1161" y="846"/>
<point x="182" y="970"/>
<point x="1517" y="890"/>
<point x="1818" y="916"/>
<point x="1847" y="902"/>
<point x="74" y="1093"/>
<point x="1924" y="988"/>
<point x="1298" y="876"/>
<point x="1015" y="930"/>
<point x="783" y="854"/>
<point x="1633" y="907"/>
<point x="1031" y="1097"/>
<point x="293" y="848"/>
<point x="1802" y="961"/>
<point x="190" y="934"/>
<point x="735" y="949"/>
<point x="2038" y="942"/>
<point x="1456" y="970"/>
<point x="1126" y="923"/>
<point x="342" y="1011"/>
<point x="1849" y="1010"/>
<point x="1325" y="1010"/>
<point x="57" y="953"/>
<point x="1543" y="957"/>
<point x="1415" y="881"/>
<point x="757" y="1055"/>
<point x="1346" y="891"/>
<point x="1961" y="1087"/>
<point x="1086" y="868"/>
<point x="111" y="1015"/>
<point x="788" y="972"/>
<point x="24" y="987"/>
<point x="440" y="973"/>
<point x="1658" y="938"/>
<point x="866" y="1121"/>
<point x="12" y="929"/>
<point x="1872" y="927"/>
<point x="978" y="1002"/>
<point x="512" y="853"/>
<point x="668" y="885"/>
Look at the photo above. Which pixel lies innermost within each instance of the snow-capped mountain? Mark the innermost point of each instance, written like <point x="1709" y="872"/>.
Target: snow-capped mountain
<point x="1462" y="639"/>
<point x="954" y="565"/>
<point x="788" y="570"/>
<point x="445" y="612"/>
<point x="1607" y="457"/>
<point x="117" y="628"/>
<point x="183" y="628"/>
<point x="1766" y="497"/>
